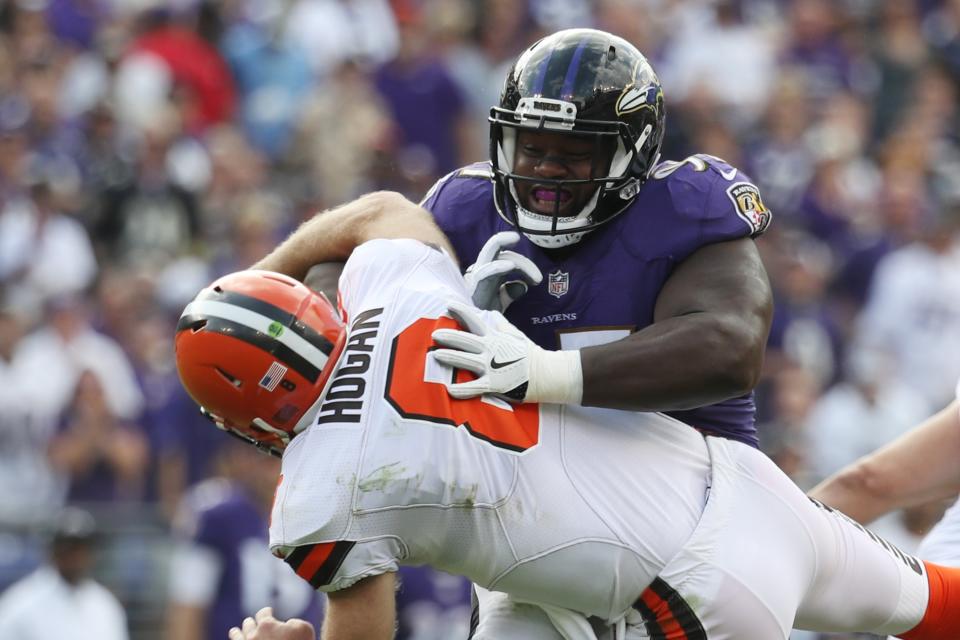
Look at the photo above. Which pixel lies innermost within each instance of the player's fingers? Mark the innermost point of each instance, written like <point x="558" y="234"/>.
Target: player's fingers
<point x="469" y="317"/>
<point x="458" y="340"/>
<point x="495" y="243"/>
<point x="300" y="629"/>
<point x="495" y="269"/>
<point x="466" y="390"/>
<point x="249" y="626"/>
<point x="266" y="612"/>
<point x="528" y="270"/>
<point x="510" y="291"/>
<point x="235" y="633"/>
<point x="460" y="360"/>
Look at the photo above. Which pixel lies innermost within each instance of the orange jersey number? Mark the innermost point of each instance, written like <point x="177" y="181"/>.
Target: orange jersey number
<point x="516" y="428"/>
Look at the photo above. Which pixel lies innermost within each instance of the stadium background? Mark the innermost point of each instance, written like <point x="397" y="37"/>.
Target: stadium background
<point x="147" y="147"/>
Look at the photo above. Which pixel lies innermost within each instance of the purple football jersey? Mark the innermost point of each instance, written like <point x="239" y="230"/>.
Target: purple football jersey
<point x="607" y="285"/>
<point x="226" y="521"/>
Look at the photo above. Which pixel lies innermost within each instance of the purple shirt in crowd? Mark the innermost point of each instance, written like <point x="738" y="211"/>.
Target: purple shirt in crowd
<point x="220" y="517"/>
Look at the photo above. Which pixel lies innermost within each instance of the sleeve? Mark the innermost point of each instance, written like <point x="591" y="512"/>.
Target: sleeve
<point x="462" y="206"/>
<point x="430" y="201"/>
<point x="332" y="566"/>
<point x="718" y="198"/>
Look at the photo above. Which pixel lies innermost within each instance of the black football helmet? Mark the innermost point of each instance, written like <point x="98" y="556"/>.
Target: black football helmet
<point x="585" y="82"/>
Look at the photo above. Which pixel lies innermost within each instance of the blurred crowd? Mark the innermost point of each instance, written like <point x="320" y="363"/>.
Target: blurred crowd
<point x="148" y="146"/>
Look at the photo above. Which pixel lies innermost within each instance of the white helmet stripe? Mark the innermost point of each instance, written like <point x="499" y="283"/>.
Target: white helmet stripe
<point x="260" y="323"/>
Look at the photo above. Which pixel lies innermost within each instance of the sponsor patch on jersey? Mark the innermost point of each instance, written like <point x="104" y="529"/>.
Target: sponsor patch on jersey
<point x="273" y="376"/>
<point x="558" y="283"/>
<point x="748" y="205"/>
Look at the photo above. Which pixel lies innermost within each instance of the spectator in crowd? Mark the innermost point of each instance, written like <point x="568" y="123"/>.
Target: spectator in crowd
<point x="44" y="252"/>
<point x="60" y="599"/>
<point x="66" y="345"/>
<point x="912" y="314"/>
<point x="222" y="570"/>
<point x="199" y="78"/>
<point x="32" y="489"/>
<point x="426" y="104"/>
<point x="103" y="458"/>
<point x="152" y="219"/>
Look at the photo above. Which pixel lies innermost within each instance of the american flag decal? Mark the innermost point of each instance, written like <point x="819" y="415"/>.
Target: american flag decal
<point x="273" y="376"/>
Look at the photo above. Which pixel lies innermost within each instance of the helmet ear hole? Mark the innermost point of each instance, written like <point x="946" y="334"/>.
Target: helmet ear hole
<point x="233" y="380"/>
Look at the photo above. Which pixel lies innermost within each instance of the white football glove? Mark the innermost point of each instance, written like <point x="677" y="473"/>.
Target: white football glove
<point x="487" y="277"/>
<point x="507" y="363"/>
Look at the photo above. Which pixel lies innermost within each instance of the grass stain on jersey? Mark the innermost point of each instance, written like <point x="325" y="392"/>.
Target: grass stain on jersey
<point x="379" y="478"/>
<point x="470" y="497"/>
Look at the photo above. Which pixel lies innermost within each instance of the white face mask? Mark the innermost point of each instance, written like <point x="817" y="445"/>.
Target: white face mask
<point x="571" y="229"/>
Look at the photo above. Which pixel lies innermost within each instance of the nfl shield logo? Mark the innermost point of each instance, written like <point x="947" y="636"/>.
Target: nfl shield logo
<point x="558" y="283"/>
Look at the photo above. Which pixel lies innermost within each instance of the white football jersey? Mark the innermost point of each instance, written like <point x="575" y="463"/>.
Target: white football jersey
<point x="561" y="505"/>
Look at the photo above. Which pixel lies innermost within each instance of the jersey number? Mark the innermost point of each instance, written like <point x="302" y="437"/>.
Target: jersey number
<point x="512" y="427"/>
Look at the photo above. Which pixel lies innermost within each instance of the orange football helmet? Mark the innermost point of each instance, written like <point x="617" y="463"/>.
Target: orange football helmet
<point x="255" y="350"/>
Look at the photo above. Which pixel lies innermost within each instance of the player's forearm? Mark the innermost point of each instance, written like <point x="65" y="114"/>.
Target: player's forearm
<point x="185" y="622"/>
<point x="677" y="363"/>
<point x="858" y="492"/>
<point x="918" y="467"/>
<point x="365" y="611"/>
<point x="332" y="235"/>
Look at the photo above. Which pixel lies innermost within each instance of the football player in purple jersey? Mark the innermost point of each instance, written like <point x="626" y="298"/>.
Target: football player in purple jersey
<point x="649" y="267"/>
<point x="221" y="569"/>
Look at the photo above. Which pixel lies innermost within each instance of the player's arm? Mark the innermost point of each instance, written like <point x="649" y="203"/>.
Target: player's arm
<point x="185" y="621"/>
<point x="705" y="345"/>
<point x="919" y="466"/>
<point x="332" y="235"/>
<point x="364" y="611"/>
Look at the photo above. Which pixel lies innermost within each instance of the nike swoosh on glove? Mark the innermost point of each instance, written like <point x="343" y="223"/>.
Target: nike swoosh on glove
<point x="506" y="362"/>
<point x="487" y="277"/>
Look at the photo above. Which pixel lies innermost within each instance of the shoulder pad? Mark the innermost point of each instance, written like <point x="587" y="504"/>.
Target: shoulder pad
<point x="722" y="188"/>
<point x="697" y="163"/>
<point x="477" y="170"/>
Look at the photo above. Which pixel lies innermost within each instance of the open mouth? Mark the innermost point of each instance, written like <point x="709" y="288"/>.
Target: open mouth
<point x="549" y="200"/>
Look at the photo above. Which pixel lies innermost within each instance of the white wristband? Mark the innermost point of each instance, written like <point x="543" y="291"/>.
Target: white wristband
<point x="555" y="377"/>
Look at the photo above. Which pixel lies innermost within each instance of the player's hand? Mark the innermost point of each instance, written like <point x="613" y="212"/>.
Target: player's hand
<point x="263" y="626"/>
<point x="499" y="357"/>
<point x="487" y="278"/>
<point x="507" y="363"/>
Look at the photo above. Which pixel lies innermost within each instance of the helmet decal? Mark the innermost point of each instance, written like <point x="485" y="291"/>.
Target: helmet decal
<point x="635" y="98"/>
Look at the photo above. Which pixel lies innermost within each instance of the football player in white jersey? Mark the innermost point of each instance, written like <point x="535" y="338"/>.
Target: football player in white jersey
<point x="921" y="466"/>
<point x="596" y="523"/>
